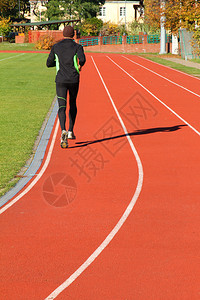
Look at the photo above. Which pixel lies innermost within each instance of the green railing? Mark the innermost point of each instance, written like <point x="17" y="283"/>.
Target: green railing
<point x="153" y="38"/>
<point x="89" y="42"/>
<point x="134" y="39"/>
<point x="112" y="40"/>
<point x="117" y="40"/>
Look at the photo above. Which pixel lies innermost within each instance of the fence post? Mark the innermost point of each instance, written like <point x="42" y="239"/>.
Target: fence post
<point x="100" y="41"/>
<point x="145" y="42"/>
<point x="174" y="44"/>
<point x="124" y="42"/>
<point x="145" y="39"/>
<point x="75" y="36"/>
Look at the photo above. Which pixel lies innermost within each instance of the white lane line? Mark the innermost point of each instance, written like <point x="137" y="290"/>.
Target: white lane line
<point x="12" y="56"/>
<point x="186" y="74"/>
<point x="177" y="115"/>
<point x="127" y="212"/>
<point x="163" y="77"/>
<point x="4" y="208"/>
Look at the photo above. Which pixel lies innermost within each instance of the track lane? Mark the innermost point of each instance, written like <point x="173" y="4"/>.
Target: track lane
<point x="158" y="258"/>
<point x="164" y="77"/>
<point x="39" y="241"/>
<point x="157" y="246"/>
<point x="188" y="81"/>
<point x="181" y="101"/>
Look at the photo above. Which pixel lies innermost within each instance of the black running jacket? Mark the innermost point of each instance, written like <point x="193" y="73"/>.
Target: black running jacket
<point x="66" y="55"/>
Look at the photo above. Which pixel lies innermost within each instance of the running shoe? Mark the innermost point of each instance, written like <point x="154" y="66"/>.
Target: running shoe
<point x="64" y="141"/>
<point x="71" y="135"/>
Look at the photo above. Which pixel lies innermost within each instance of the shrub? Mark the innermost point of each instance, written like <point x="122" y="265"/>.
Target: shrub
<point x="110" y="29"/>
<point x="135" y="27"/>
<point x="5" y="26"/>
<point x="123" y="30"/>
<point x="45" y="42"/>
<point x="90" y="27"/>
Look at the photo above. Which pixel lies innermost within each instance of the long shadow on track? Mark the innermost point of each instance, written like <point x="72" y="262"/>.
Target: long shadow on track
<point x="138" y="132"/>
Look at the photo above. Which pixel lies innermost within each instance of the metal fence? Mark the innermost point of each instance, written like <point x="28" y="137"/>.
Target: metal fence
<point x="117" y="40"/>
<point x="89" y="42"/>
<point x="153" y="38"/>
<point x="185" y="44"/>
<point x="134" y="39"/>
<point x="112" y="40"/>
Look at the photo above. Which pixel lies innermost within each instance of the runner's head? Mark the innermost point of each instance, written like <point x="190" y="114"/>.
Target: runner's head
<point x="68" y="32"/>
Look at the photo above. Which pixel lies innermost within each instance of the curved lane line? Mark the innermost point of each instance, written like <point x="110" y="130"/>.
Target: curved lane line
<point x="154" y="96"/>
<point x="4" y="208"/>
<point x="162" y="77"/>
<point x="122" y="220"/>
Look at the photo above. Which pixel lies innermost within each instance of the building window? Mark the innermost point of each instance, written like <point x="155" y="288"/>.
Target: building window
<point x="122" y="11"/>
<point x="102" y="11"/>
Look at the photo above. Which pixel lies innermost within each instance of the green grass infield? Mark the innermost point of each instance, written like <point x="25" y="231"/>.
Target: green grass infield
<point x="27" y="90"/>
<point x="6" y="46"/>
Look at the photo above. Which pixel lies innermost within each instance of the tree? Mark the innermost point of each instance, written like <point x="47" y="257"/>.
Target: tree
<point x="76" y="9"/>
<point x="178" y="13"/>
<point x="10" y="8"/>
<point x="182" y="13"/>
<point x="4" y="26"/>
<point x="152" y="13"/>
<point x="54" y="10"/>
<point x="84" y="9"/>
<point x="79" y="9"/>
<point x="24" y="7"/>
<point x="90" y="27"/>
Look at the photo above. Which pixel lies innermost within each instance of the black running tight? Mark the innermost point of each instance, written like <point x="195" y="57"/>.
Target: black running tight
<point x="61" y="90"/>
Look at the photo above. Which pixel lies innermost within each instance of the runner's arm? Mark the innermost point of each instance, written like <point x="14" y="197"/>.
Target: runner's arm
<point x="51" y="60"/>
<point x="81" y="56"/>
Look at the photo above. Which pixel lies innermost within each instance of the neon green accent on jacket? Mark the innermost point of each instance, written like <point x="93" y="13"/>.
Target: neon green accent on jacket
<point x="57" y="64"/>
<point x="76" y="63"/>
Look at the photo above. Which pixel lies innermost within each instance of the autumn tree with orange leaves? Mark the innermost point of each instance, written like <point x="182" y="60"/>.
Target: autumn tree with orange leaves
<point x="178" y="14"/>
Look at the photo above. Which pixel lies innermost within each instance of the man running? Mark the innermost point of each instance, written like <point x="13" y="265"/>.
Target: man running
<point x="68" y="57"/>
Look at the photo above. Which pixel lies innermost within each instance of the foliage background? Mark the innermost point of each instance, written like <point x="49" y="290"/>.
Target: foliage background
<point x="4" y="26"/>
<point x="178" y="14"/>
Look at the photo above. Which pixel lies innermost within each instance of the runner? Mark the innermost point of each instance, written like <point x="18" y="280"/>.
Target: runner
<point x="68" y="57"/>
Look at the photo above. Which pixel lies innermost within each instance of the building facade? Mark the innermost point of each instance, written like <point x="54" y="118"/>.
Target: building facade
<point x="117" y="12"/>
<point x="36" y="9"/>
<point x="121" y="12"/>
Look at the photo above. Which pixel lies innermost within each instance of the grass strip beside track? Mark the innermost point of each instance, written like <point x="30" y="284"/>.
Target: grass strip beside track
<point x="196" y="60"/>
<point x="26" y="93"/>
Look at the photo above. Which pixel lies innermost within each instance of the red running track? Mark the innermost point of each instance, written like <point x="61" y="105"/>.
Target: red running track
<point x="84" y="197"/>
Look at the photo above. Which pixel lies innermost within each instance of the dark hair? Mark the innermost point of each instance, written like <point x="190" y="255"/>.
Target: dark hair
<point x="68" y="31"/>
